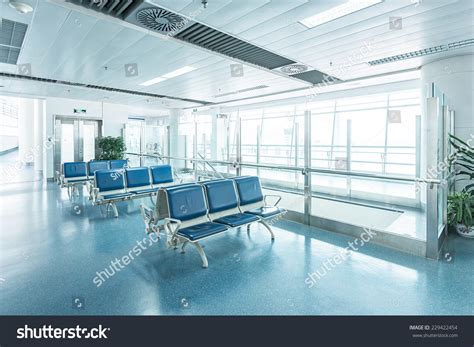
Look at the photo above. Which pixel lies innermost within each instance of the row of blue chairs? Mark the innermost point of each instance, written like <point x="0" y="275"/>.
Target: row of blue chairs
<point x="189" y="213"/>
<point x="78" y="173"/>
<point x="111" y="186"/>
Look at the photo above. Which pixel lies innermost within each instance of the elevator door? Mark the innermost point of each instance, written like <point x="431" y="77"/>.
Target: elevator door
<point x="75" y="139"/>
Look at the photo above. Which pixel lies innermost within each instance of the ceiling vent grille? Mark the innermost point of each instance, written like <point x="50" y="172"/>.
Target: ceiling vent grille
<point x="217" y="41"/>
<point x="423" y="52"/>
<point x="293" y="69"/>
<point x="97" y="87"/>
<point x="160" y="20"/>
<point x="115" y="8"/>
<point x="12" y="35"/>
<point x="241" y="91"/>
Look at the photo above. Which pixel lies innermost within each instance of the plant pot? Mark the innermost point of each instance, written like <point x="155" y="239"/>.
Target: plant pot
<point x="465" y="231"/>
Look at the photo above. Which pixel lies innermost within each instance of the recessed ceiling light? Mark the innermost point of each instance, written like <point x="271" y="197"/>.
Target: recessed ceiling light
<point x="337" y="12"/>
<point x="175" y="73"/>
<point x="179" y="72"/>
<point x="153" y="81"/>
<point x="20" y="7"/>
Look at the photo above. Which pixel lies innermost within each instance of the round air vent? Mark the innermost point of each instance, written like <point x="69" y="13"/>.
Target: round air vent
<point x="161" y="20"/>
<point x="293" y="69"/>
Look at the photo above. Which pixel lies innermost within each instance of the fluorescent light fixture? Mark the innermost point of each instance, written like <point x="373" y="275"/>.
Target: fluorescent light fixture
<point x="337" y="12"/>
<point x="179" y="72"/>
<point x="153" y="81"/>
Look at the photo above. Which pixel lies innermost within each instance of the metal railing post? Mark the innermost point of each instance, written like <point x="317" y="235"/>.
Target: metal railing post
<point x="296" y="127"/>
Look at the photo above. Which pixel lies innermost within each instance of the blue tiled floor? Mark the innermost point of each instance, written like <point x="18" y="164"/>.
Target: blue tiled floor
<point x="51" y="249"/>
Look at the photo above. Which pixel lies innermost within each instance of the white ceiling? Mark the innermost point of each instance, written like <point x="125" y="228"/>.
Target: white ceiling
<point x="81" y="46"/>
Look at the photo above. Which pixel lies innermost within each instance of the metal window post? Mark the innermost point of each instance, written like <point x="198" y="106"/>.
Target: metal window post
<point x="258" y="149"/>
<point x="238" y="129"/>
<point x="433" y="112"/>
<point x="296" y="127"/>
<point x="307" y="165"/>
<point x="418" y="158"/>
<point x="349" y="155"/>
<point x="195" y="150"/>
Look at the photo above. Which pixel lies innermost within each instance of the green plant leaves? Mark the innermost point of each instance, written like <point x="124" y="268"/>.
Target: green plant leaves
<point x="111" y="148"/>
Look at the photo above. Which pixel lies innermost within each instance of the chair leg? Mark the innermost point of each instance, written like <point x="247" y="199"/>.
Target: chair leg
<point x="114" y="208"/>
<point x="202" y="254"/>
<point x="183" y="246"/>
<point x="265" y="224"/>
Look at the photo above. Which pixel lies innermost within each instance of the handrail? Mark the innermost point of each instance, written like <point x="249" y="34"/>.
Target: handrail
<point x="212" y="167"/>
<point x="307" y="170"/>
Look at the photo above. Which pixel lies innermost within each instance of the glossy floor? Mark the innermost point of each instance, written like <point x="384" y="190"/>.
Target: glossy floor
<point x="51" y="249"/>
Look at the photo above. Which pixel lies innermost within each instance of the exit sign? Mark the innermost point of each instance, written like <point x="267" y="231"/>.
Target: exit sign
<point x="80" y="110"/>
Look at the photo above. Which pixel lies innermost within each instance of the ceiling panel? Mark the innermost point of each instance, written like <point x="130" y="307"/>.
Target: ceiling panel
<point x="81" y="46"/>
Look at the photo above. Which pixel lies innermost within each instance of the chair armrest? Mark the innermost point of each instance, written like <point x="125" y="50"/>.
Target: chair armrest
<point x="149" y="218"/>
<point x="273" y="196"/>
<point x="175" y="222"/>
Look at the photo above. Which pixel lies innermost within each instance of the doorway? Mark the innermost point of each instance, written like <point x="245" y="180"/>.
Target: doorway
<point x="76" y="139"/>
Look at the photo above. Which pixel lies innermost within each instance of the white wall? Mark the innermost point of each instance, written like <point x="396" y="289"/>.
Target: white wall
<point x="113" y="116"/>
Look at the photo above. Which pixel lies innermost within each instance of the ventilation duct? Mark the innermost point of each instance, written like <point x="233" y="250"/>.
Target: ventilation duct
<point x="180" y="27"/>
<point x="423" y="52"/>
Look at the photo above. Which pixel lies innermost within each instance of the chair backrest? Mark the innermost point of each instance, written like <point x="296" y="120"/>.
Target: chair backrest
<point x="137" y="177"/>
<point x="95" y="165"/>
<point x="161" y="174"/>
<point x="221" y="195"/>
<point x="107" y="180"/>
<point x="118" y="164"/>
<point x="249" y="189"/>
<point x="75" y="169"/>
<point x="186" y="202"/>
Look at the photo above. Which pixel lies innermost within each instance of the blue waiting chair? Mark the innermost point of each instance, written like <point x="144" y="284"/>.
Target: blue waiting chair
<point x="118" y="164"/>
<point x="73" y="174"/>
<point x="252" y="200"/>
<point x="138" y="181"/>
<point x="109" y="188"/>
<point x="224" y="205"/>
<point x="95" y="165"/>
<point x="161" y="176"/>
<point x="187" y="220"/>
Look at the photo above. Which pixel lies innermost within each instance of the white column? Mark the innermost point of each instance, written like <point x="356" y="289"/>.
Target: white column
<point x="452" y="76"/>
<point x="38" y="134"/>
<point x="26" y="112"/>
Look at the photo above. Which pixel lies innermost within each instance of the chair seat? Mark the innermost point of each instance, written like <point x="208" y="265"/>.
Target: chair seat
<point x="116" y="196"/>
<point x="76" y="179"/>
<point x="202" y="230"/>
<point x="237" y="219"/>
<point x="145" y="191"/>
<point x="266" y="211"/>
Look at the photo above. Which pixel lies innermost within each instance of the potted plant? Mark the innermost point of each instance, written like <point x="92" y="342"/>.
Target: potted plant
<point x="460" y="206"/>
<point x="463" y="163"/>
<point x="111" y="148"/>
